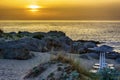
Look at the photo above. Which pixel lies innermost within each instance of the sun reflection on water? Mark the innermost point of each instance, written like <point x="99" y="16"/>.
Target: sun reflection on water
<point x="34" y="10"/>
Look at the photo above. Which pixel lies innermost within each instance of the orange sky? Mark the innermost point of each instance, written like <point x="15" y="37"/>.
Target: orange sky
<point x="60" y="10"/>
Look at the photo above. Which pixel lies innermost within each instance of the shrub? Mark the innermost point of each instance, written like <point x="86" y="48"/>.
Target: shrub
<point x="84" y="75"/>
<point x="38" y="36"/>
<point x="109" y="74"/>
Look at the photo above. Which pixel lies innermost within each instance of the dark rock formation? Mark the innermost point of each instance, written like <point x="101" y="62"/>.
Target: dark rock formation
<point x="103" y="48"/>
<point x="17" y="53"/>
<point x="20" y="49"/>
<point x="58" y="43"/>
<point x="118" y="60"/>
<point x="82" y="47"/>
<point x="84" y="56"/>
<point x="94" y="55"/>
<point x="90" y="45"/>
<point x="56" y="33"/>
<point x="112" y="55"/>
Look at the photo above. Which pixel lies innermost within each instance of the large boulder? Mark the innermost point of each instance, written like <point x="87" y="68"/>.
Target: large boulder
<point x="17" y="53"/>
<point x="93" y="55"/>
<point x="76" y="46"/>
<point x="90" y="45"/>
<point x="66" y="40"/>
<point x="32" y="44"/>
<point x="66" y="43"/>
<point x="56" y="33"/>
<point x="103" y="48"/>
<point x="2" y="40"/>
<point x="58" y="43"/>
<point x="20" y="49"/>
<point x="84" y="56"/>
<point x="51" y="43"/>
<point x="112" y="55"/>
<point x="80" y="47"/>
<point x="90" y="56"/>
<point x="118" y="60"/>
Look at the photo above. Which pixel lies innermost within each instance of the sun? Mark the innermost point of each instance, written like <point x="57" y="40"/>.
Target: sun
<point x="34" y="6"/>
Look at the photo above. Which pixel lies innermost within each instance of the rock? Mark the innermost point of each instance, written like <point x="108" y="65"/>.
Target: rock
<point x="15" y="50"/>
<point x="89" y="56"/>
<point x="38" y="36"/>
<point x="65" y="39"/>
<point x="112" y="55"/>
<point x="33" y="44"/>
<point x="2" y="40"/>
<point x="118" y="60"/>
<point x="17" y="53"/>
<point x="51" y="43"/>
<point x="103" y="48"/>
<point x="84" y="41"/>
<point x="84" y="56"/>
<point x="90" y="45"/>
<point x="66" y="43"/>
<point x="19" y="49"/>
<point x="13" y="33"/>
<point x="24" y="33"/>
<point x="79" y="48"/>
<point x="75" y="47"/>
<point x="57" y="44"/>
<point x="93" y="55"/>
<point x="56" y="33"/>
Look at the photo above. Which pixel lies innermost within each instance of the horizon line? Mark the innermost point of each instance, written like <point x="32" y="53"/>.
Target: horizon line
<point x="59" y="20"/>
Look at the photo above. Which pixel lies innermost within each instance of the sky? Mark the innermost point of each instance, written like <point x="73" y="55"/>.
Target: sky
<point x="60" y="10"/>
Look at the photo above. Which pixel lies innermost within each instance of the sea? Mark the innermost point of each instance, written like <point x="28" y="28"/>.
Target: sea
<point x="107" y="32"/>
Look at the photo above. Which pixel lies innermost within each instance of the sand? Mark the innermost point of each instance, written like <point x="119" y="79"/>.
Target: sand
<point x="16" y="69"/>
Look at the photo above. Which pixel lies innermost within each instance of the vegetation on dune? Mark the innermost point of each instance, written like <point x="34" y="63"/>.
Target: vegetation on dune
<point x="84" y="74"/>
<point x="108" y="74"/>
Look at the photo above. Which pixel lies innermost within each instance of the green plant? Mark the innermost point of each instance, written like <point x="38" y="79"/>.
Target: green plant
<point x="109" y="74"/>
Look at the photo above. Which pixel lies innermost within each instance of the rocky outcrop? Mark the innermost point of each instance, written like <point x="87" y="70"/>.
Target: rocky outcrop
<point x="53" y="40"/>
<point x="118" y="60"/>
<point x="82" y="47"/>
<point x="90" y="56"/>
<point x="17" y="53"/>
<point x="61" y="43"/>
<point x="103" y="48"/>
<point x="112" y="55"/>
<point x="90" y="45"/>
<point x="20" y="49"/>
<point x="29" y="43"/>
<point x="56" y="33"/>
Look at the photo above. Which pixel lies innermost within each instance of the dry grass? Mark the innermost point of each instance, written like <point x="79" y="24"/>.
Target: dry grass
<point x="84" y="74"/>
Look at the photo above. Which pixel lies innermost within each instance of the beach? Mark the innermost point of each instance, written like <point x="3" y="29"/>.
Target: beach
<point x="41" y="37"/>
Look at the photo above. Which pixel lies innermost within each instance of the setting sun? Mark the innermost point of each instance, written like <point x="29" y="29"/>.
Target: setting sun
<point x="34" y="7"/>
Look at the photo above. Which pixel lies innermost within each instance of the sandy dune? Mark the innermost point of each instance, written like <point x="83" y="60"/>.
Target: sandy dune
<point x="16" y="69"/>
